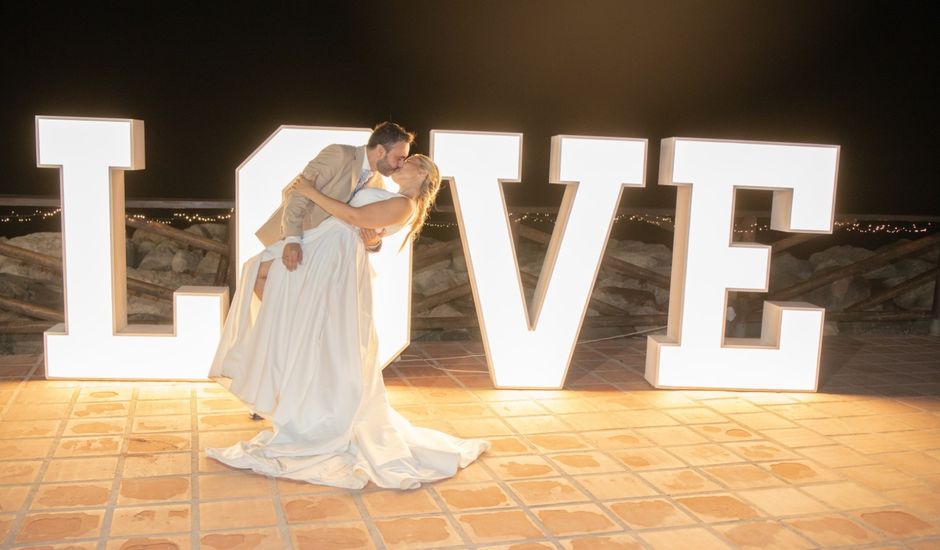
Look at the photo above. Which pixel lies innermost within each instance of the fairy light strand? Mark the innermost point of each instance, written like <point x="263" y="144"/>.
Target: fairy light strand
<point x="179" y="217"/>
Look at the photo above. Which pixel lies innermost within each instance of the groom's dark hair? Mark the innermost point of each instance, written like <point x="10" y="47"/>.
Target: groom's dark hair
<point x="387" y="134"/>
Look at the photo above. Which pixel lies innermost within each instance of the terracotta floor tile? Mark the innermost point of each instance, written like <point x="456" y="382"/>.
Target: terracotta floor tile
<point x="509" y="445"/>
<point x="914" y="462"/>
<point x="679" y="482"/>
<point x="880" y="477"/>
<point x="385" y="503"/>
<point x="649" y="514"/>
<point x="105" y="394"/>
<point x="603" y="542"/>
<point x="290" y="487"/>
<point x="694" y="537"/>
<point x="516" y="467"/>
<point x="12" y="497"/>
<point x="833" y="530"/>
<point x="333" y="536"/>
<point x="80" y="469"/>
<point x="225" y="514"/>
<point x="154" y="490"/>
<point x="590" y="462"/>
<point x="783" y="501"/>
<point x="329" y="507"/>
<point x="164" y="423"/>
<point x="6" y="522"/>
<point x="846" y="496"/>
<point x="89" y="446"/>
<point x="671" y="435"/>
<point x="726" y="432"/>
<point x="164" y="392"/>
<point x="255" y="539"/>
<point x="898" y="524"/>
<point x="796" y="437"/>
<point x="923" y="499"/>
<point x="758" y="451"/>
<point x="225" y="438"/>
<point x="592" y="421"/>
<point x="161" y="407"/>
<point x="21" y="449"/>
<point x="100" y="410"/>
<point x="98" y="426"/>
<point x="504" y="525"/>
<point x="696" y="415"/>
<point x="151" y="520"/>
<point x="563" y="406"/>
<point x="37" y="411"/>
<point x="231" y="421"/>
<point x="219" y="404"/>
<point x="575" y="519"/>
<point x="537" y="424"/>
<point x="160" y="443"/>
<point x="173" y="542"/>
<point x="518" y="408"/>
<point x="213" y="487"/>
<point x="47" y="395"/>
<point x="705" y="455"/>
<point x="21" y="471"/>
<point x="546" y="491"/>
<point x="29" y="428"/>
<point x="558" y="442"/>
<point x="711" y="508"/>
<point x="157" y="464"/>
<point x="480" y="427"/>
<point x="836" y="456"/>
<point x="615" y="486"/>
<point x="743" y="476"/>
<point x="59" y="526"/>
<point x="72" y="495"/>
<point x="473" y="496"/>
<point x="799" y="472"/>
<point x="422" y="532"/>
<point x="647" y="459"/>
<point x="616" y="439"/>
<point x="475" y="472"/>
<point x="764" y="535"/>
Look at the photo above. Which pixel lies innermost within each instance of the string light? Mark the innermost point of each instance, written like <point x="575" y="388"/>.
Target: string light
<point x="850" y="226"/>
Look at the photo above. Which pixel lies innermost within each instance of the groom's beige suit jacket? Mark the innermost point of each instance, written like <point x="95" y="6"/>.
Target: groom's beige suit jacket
<point x="335" y="172"/>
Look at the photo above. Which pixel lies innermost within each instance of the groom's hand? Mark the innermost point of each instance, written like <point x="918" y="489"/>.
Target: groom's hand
<point x="371" y="238"/>
<point x="292" y="256"/>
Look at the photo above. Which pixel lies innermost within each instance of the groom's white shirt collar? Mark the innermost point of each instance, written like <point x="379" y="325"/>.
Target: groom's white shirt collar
<point x="365" y="159"/>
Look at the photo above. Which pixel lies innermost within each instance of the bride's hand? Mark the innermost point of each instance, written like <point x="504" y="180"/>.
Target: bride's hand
<point x="304" y="187"/>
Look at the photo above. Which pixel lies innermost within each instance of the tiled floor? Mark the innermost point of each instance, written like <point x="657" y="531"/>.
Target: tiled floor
<point x="606" y="463"/>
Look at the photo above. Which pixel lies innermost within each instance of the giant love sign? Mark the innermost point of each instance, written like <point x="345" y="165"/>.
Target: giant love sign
<point x="527" y="345"/>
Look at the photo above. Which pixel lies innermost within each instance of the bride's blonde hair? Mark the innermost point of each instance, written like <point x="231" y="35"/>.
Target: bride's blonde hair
<point x="429" y="188"/>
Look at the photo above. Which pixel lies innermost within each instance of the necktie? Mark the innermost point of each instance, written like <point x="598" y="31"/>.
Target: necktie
<point x="364" y="176"/>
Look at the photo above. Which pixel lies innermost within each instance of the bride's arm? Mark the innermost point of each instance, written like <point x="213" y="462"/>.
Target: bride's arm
<point x="370" y="216"/>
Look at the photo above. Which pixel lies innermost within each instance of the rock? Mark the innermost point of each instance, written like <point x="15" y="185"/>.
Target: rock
<point x="786" y="270"/>
<point x="655" y="257"/>
<point x="840" y="294"/>
<point x="632" y="300"/>
<point x="29" y="289"/>
<point x="209" y="263"/>
<point x="214" y="231"/>
<point x="130" y="252"/>
<point x="830" y="328"/>
<point x="165" y="278"/>
<point x="161" y="257"/>
<point x="148" y="311"/>
<point x="428" y="281"/>
<point x="838" y="256"/>
<point x="142" y="236"/>
<point x="919" y="298"/>
<point x="141" y="249"/>
<point x="443" y="310"/>
<point x="47" y="243"/>
<point x="185" y="261"/>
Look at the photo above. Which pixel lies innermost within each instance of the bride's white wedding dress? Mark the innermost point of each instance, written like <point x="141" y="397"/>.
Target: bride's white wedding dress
<point x="305" y="358"/>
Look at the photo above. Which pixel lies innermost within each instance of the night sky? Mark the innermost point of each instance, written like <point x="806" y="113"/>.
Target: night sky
<point x="212" y="83"/>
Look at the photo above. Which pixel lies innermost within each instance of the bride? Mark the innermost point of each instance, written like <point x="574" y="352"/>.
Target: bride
<point x="305" y="356"/>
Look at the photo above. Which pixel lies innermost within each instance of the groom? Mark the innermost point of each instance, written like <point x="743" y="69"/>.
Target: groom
<point x="338" y="171"/>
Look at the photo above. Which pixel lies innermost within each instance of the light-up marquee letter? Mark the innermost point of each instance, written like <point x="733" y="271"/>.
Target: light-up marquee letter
<point x="532" y="347"/>
<point x="96" y="341"/>
<point x="259" y="183"/>
<point x="694" y="352"/>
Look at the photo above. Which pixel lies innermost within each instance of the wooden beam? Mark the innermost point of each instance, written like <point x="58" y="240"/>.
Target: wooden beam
<point x="31" y="310"/>
<point x="427" y="255"/>
<point x="179" y="235"/>
<point x="897" y="290"/>
<point x="884" y="256"/>
<point x="55" y="265"/>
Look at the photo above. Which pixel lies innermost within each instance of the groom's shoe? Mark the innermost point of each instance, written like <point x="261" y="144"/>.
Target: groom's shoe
<point x="255" y="416"/>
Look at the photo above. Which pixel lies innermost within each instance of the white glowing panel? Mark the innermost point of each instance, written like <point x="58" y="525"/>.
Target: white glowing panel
<point x="95" y="341"/>
<point x="532" y="347"/>
<point x="260" y="180"/>
<point x="694" y="352"/>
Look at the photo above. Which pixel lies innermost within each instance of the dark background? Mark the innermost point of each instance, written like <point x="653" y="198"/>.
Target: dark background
<point x="212" y="82"/>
